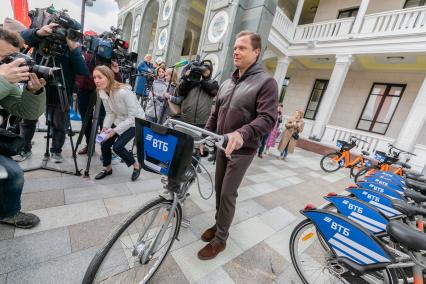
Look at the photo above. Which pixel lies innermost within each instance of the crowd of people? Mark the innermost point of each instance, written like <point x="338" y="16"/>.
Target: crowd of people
<point x="245" y="108"/>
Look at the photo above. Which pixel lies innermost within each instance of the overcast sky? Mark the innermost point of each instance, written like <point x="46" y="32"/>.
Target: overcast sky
<point x="98" y="18"/>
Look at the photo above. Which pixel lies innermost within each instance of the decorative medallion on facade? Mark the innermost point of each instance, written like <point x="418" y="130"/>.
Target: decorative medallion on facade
<point x="167" y="9"/>
<point x="215" y="62"/>
<point x="137" y="25"/>
<point x="218" y="26"/>
<point x="162" y="39"/>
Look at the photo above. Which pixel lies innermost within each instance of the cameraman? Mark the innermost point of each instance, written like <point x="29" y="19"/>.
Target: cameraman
<point x="28" y="103"/>
<point x="72" y="63"/>
<point x="197" y="96"/>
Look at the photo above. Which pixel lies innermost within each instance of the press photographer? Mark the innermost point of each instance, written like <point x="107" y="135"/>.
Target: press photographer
<point x="27" y="103"/>
<point x="56" y="41"/>
<point x="198" y="90"/>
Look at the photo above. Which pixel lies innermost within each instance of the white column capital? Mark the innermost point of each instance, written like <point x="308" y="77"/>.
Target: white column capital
<point x="284" y="60"/>
<point x="344" y="58"/>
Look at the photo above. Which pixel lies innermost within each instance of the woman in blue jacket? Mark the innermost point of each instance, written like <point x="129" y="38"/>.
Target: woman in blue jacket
<point x="144" y="66"/>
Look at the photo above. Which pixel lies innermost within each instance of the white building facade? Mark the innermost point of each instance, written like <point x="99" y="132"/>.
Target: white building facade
<point x="355" y="67"/>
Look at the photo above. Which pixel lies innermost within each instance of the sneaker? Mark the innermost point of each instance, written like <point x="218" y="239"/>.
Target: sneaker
<point x="21" y="220"/>
<point x="57" y="158"/>
<point x="22" y="156"/>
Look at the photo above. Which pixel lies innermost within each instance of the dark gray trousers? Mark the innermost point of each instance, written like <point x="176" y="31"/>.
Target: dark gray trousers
<point x="229" y="174"/>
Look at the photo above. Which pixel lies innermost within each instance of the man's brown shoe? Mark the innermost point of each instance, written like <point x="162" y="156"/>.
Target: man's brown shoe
<point x="211" y="250"/>
<point x="208" y="235"/>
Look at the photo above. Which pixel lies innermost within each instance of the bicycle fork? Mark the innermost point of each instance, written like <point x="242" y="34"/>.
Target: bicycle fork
<point x="147" y="255"/>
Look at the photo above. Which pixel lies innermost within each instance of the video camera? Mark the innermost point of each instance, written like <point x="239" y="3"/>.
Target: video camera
<point x="47" y="73"/>
<point x="55" y="43"/>
<point x="196" y="69"/>
<point x="107" y="46"/>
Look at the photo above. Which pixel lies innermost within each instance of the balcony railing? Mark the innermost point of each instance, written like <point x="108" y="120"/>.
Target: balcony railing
<point x="283" y="24"/>
<point x="395" y="22"/>
<point x="324" y="30"/>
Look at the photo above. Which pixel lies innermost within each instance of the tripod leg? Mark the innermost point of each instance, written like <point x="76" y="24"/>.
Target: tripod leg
<point x="91" y="146"/>
<point x="89" y="111"/>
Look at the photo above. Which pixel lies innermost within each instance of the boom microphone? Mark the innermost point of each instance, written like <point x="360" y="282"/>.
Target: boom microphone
<point x="180" y="63"/>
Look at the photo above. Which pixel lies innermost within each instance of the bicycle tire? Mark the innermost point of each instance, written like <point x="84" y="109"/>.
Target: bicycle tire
<point x="361" y="173"/>
<point x="389" y="276"/>
<point x="98" y="259"/>
<point x="329" y="155"/>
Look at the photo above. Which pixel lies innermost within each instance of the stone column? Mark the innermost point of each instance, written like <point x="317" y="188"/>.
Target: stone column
<point x="281" y="71"/>
<point x="328" y="102"/>
<point x="414" y="122"/>
<point x="360" y="16"/>
<point x="297" y="14"/>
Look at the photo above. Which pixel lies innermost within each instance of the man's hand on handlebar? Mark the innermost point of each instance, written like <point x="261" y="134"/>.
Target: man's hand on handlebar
<point x="235" y="142"/>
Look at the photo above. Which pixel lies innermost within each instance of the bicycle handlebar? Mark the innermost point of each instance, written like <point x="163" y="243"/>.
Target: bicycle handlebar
<point x="220" y="140"/>
<point x="359" y="139"/>
<point x="391" y="146"/>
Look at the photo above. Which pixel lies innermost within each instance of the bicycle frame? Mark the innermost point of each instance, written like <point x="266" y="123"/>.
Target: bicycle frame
<point x="346" y="155"/>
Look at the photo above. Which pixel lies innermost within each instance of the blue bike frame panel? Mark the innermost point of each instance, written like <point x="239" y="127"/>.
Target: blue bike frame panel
<point x="382" y="202"/>
<point x="390" y="177"/>
<point x="381" y="189"/>
<point x="361" y="212"/>
<point x="348" y="239"/>
<point x="385" y="182"/>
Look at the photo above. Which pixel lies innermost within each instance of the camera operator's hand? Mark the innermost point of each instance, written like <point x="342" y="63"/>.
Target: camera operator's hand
<point x="167" y="95"/>
<point x="35" y="84"/>
<point x="72" y="44"/>
<point x="114" y="66"/>
<point x="14" y="72"/>
<point x="46" y="30"/>
<point x="187" y="73"/>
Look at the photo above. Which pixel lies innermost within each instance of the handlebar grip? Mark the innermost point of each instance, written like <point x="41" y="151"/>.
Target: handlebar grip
<point x="225" y="141"/>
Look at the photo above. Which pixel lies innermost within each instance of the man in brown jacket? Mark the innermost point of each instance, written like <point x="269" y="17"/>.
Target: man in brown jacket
<point x="245" y="110"/>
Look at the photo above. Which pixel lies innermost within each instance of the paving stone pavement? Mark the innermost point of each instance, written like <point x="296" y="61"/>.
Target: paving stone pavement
<point x="77" y="215"/>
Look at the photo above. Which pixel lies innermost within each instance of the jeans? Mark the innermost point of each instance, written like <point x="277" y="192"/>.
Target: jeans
<point x="27" y="130"/>
<point x="85" y="99"/>
<point x="10" y="188"/>
<point x="118" y="143"/>
<point x="59" y="125"/>
<point x="285" y="152"/>
<point x="262" y="144"/>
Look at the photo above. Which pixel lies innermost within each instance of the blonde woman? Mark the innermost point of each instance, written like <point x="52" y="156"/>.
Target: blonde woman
<point x="121" y="107"/>
<point x="293" y="127"/>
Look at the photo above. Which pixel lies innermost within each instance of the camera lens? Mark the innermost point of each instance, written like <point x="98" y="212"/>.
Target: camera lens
<point x="47" y="73"/>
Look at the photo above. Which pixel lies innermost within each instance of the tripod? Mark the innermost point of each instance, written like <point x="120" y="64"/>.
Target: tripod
<point x="50" y="112"/>
<point x="96" y="102"/>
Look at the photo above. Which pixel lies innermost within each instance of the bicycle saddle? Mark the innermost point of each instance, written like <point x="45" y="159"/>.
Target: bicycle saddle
<point x="415" y="196"/>
<point x="408" y="209"/>
<point x="404" y="234"/>
<point x="365" y="153"/>
<point x="404" y="165"/>
<point x="416" y="185"/>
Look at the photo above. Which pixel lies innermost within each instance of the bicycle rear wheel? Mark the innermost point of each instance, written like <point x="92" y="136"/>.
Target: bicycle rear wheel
<point x="125" y="256"/>
<point x="315" y="262"/>
<point x="329" y="162"/>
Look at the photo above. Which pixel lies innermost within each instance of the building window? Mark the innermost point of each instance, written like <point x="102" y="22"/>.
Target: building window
<point x="347" y="13"/>
<point x="380" y="107"/>
<point x="315" y="99"/>
<point x="284" y="89"/>
<point x="414" y="3"/>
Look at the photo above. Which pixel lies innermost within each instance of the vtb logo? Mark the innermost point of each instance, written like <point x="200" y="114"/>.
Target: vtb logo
<point x="157" y="144"/>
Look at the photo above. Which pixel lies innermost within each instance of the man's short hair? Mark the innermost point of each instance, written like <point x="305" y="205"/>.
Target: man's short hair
<point x="256" y="41"/>
<point x="12" y="38"/>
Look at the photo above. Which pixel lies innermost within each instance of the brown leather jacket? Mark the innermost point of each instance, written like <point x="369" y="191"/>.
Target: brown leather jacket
<point x="247" y="105"/>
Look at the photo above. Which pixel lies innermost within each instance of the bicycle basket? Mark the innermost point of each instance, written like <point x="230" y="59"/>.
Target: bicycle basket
<point x="380" y="156"/>
<point x="345" y="146"/>
<point x="163" y="150"/>
<point x="340" y="143"/>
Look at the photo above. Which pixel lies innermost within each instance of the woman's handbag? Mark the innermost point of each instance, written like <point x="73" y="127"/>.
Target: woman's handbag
<point x="173" y="108"/>
<point x="10" y="143"/>
<point x="296" y="135"/>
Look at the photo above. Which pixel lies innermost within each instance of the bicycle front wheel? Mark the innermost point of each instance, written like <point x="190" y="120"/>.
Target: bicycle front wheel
<point x="329" y="162"/>
<point x="315" y="262"/>
<point x="135" y="250"/>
